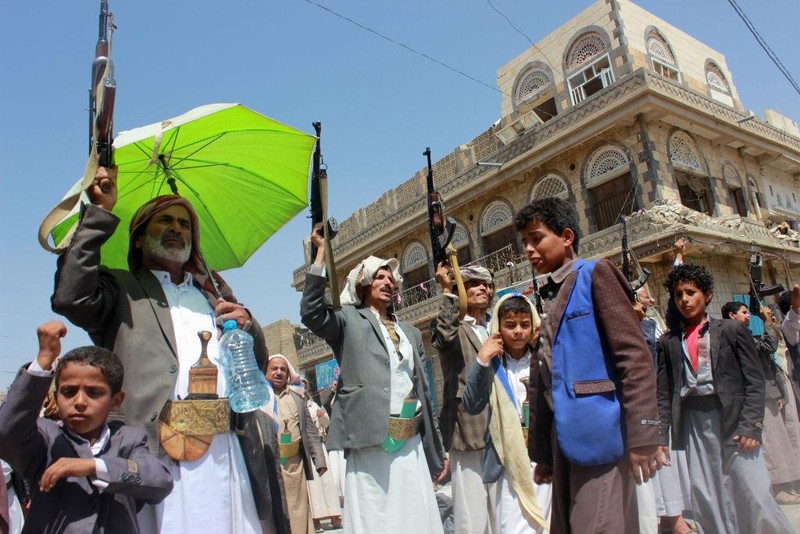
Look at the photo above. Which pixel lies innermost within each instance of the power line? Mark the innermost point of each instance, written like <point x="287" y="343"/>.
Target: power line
<point x="764" y="45"/>
<point x="403" y="45"/>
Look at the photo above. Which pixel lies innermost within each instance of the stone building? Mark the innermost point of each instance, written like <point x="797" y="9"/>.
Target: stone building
<point x="625" y="116"/>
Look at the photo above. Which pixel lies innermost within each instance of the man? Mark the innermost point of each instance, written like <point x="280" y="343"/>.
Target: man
<point x="150" y="316"/>
<point x="458" y="343"/>
<point x="383" y="417"/>
<point x="299" y="444"/>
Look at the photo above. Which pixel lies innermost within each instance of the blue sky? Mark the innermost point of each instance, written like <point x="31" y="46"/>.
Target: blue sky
<point x="380" y="104"/>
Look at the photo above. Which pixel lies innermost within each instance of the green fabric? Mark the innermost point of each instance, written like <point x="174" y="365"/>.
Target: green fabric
<point x="245" y="174"/>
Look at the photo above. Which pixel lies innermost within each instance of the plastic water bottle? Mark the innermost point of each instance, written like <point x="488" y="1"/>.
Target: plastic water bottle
<point x="247" y="385"/>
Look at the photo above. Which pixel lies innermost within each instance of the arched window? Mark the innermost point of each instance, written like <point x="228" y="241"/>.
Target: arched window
<point x="497" y="228"/>
<point x="534" y="89"/>
<point x="690" y="174"/>
<point x="683" y="152"/>
<point x="589" y="57"/>
<point x="719" y="87"/>
<point x="415" y="265"/>
<point x="716" y="79"/>
<point x="460" y="242"/>
<point x="550" y="186"/>
<point x="532" y="83"/>
<point x="585" y="49"/>
<point x="733" y="183"/>
<point x="661" y="56"/>
<point x="608" y="178"/>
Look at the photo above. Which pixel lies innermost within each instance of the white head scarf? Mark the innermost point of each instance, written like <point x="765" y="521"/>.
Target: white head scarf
<point x="363" y="274"/>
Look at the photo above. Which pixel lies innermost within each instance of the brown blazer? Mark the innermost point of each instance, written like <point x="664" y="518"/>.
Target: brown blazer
<point x="622" y="333"/>
<point x="458" y="348"/>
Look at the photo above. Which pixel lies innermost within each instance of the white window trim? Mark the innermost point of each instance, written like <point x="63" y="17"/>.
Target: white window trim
<point x="577" y="94"/>
<point x="659" y="64"/>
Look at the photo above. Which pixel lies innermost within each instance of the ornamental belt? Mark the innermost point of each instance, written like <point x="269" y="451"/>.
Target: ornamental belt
<point x="403" y="428"/>
<point x="289" y="450"/>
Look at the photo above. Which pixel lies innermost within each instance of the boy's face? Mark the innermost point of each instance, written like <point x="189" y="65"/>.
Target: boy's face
<point x="84" y="399"/>
<point x="515" y="329"/>
<point x="546" y="249"/>
<point x="743" y="315"/>
<point x="691" y="301"/>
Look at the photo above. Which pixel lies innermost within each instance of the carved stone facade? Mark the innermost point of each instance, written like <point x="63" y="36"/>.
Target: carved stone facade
<point x="661" y="139"/>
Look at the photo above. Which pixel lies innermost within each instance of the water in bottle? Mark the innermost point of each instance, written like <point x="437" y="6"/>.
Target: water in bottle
<point x="247" y="385"/>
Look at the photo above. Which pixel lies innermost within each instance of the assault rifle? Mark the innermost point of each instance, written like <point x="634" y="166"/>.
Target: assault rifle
<point x="102" y="94"/>
<point x="757" y="289"/>
<point x="644" y="273"/>
<point x="319" y="212"/>
<point x="442" y="230"/>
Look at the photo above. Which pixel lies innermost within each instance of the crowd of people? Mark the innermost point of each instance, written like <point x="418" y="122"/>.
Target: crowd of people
<point x="588" y="413"/>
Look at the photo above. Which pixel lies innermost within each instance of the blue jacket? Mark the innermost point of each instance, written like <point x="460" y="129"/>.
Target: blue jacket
<point x="586" y="394"/>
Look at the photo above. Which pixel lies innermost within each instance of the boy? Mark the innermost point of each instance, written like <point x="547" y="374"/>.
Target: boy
<point x="593" y="407"/>
<point x="711" y="395"/>
<point x="90" y="476"/>
<point x="499" y="378"/>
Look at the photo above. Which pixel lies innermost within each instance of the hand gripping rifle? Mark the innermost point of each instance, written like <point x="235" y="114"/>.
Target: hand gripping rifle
<point x="757" y="289"/>
<point x="441" y="229"/>
<point x="319" y="213"/>
<point x="102" y="93"/>
<point x="644" y="273"/>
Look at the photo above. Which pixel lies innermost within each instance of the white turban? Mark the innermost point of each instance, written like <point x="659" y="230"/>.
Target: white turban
<point x="363" y="274"/>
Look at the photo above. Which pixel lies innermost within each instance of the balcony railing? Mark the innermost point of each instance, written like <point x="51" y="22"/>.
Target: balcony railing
<point x="495" y="262"/>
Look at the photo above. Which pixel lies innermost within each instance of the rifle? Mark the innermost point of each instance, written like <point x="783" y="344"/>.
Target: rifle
<point x="319" y="212"/>
<point x="441" y="230"/>
<point x="644" y="273"/>
<point x="757" y="289"/>
<point x="102" y="94"/>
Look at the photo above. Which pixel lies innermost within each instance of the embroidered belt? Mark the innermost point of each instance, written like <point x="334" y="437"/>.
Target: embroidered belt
<point x="289" y="450"/>
<point x="187" y="427"/>
<point x="404" y="427"/>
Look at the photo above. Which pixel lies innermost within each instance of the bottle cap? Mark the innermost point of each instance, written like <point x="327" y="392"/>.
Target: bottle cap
<point x="230" y="324"/>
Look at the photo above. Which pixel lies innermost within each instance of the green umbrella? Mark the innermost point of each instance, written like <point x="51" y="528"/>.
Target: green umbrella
<point x="245" y="174"/>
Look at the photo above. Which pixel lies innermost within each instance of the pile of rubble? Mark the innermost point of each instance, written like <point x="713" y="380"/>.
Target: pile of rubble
<point x="782" y="231"/>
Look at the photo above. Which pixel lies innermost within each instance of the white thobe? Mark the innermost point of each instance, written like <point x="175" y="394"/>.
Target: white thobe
<point x="213" y="493"/>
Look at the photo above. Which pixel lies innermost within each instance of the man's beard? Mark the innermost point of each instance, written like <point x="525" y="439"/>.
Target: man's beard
<point x="174" y="253"/>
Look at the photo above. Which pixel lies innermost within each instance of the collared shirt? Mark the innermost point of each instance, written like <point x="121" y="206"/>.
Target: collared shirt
<point x="190" y="312"/>
<point x="549" y="328"/>
<point x="477" y="327"/>
<point x="700" y="381"/>
<point x="519" y="372"/>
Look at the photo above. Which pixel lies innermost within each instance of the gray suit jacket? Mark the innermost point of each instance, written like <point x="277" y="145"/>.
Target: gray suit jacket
<point x="458" y="347"/>
<point x="360" y="416"/>
<point x="476" y="400"/>
<point x="128" y="313"/>
<point x="31" y="444"/>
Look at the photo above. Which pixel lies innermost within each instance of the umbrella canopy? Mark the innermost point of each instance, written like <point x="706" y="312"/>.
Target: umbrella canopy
<point x="245" y="174"/>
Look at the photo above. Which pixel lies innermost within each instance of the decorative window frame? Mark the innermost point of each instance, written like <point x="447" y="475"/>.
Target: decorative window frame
<point x="414" y="256"/>
<point x="663" y="61"/>
<point x="543" y="183"/>
<point x="685" y="155"/>
<point x="731" y="176"/>
<point x="496" y="216"/>
<point x="724" y="85"/>
<point x="573" y="67"/>
<point x="602" y="158"/>
<point x="529" y="69"/>
<point x="460" y="237"/>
